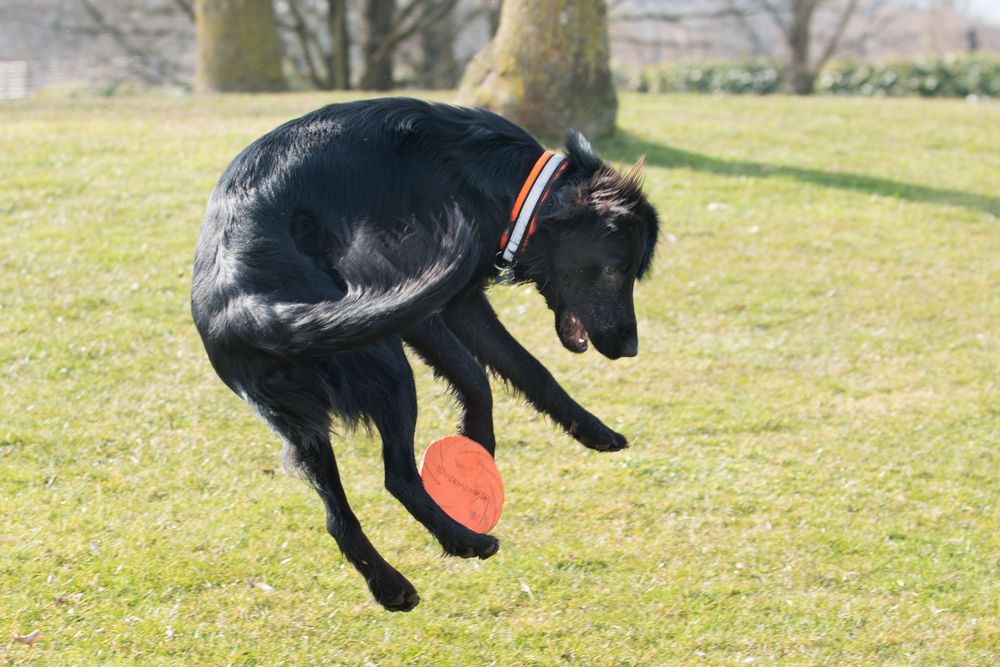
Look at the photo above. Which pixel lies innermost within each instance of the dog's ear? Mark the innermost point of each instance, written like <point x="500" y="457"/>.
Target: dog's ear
<point x="644" y="212"/>
<point x="635" y="173"/>
<point x="581" y="153"/>
<point x="612" y="193"/>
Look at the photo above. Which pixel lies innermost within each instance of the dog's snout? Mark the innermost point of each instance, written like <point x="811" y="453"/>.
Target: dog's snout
<point x="631" y="347"/>
<point x="628" y="338"/>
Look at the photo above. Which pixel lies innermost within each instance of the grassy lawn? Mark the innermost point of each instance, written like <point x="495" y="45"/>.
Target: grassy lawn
<point x="815" y="413"/>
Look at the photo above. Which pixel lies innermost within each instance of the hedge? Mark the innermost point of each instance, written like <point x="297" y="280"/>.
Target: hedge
<point x="742" y="77"/>
<point x="946" y="76"/>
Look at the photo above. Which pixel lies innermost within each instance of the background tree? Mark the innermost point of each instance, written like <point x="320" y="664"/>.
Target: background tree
<point x="810" y="32"/>
<point x="547" y="68"/>
<point x="389" y="25"/>
<point x="493" y="8"/>
<point x="378" y="17"/>
<point x="338" y="62"/>
<point x="440" y="54"/>
<point x="155" y="36"/>
<point x="317" y="42"/>
<point x="437" y="67"/>
<point x="320" y="39"/>
<point x="795" y="19"/>
<point x="238" y="46"/>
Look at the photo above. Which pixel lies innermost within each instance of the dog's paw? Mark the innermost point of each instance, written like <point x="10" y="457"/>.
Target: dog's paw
<point x="476" y="546"/>
<point x="393" y="591"/>
<point x="595" y="435"/>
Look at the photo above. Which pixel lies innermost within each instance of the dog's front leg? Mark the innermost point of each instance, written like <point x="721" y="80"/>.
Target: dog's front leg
<point x="449" y="358"/>
<point x="472" y="319"/>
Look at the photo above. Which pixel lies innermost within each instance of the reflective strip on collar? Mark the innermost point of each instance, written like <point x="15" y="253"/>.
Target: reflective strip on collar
<point x="532" y="194"/>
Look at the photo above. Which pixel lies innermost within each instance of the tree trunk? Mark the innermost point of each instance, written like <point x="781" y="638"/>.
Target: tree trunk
<point x="547" y="68"/>
<point x="338" y="65"/>
<point x="238" y="47"/>
<point x="438" y="67"/>
<point x="802" y="74"/>
<point x="379" y="16"/>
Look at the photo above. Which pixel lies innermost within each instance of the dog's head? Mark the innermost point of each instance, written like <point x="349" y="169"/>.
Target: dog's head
<point x="593" y="242"/>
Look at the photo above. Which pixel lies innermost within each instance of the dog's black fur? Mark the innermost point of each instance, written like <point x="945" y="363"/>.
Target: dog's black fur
<point x="336" y="237"/>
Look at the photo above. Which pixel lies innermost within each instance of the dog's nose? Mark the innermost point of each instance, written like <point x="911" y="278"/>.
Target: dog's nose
<point x="631" y="347"/>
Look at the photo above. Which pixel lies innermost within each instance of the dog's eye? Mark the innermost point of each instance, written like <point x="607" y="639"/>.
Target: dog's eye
<point x="612" y="269"/>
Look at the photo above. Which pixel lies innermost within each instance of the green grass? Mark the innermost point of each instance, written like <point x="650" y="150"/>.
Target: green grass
<point x="815" y="413"/>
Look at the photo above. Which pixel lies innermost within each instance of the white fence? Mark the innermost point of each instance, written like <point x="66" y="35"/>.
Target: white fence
<point x="19" y="78"/>
<point x="14" y="81"/>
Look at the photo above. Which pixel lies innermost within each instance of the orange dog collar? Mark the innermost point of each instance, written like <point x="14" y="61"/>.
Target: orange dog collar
<point x="535" y="190"/>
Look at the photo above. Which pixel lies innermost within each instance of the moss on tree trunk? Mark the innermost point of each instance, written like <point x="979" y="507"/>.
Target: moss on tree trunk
<point x="547" y="68"/>
<point x="238" y="46"/>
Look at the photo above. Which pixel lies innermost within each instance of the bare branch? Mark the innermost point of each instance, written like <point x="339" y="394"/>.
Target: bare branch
<point x="883" y="16"/>
<point x="118" y="36"/>
<point x="771" y="9"/>
<point x="186" y="7"/>
<point x="679" y="17"/>
<point x="307" y="41"/>
<point x="729" y="10"/>
<point x="404" y="14"/>
<point x="433" y="11"/>
<point x="98" y="30"/>
<point x="657" y="42"/>
<point x="743" y="21"/>
<point x="831" y="46"/>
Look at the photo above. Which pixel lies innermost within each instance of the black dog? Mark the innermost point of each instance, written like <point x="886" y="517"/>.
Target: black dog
<point x="336" y="237"/>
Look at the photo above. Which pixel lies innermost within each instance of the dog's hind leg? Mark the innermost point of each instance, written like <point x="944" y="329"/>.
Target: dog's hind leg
<point x="300" y="418"/>
<point x="388" y="586"/>
<point x="446" y="354"/>
<point x="392" y="407"/>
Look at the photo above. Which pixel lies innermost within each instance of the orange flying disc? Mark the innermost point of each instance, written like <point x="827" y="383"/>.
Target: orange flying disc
<point x="462" y="478"/>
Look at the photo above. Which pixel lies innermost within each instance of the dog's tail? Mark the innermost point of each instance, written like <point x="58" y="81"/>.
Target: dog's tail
<point x="395" y="279"/>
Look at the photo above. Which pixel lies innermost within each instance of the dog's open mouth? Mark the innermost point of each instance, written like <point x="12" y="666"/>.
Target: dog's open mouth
<point x="571" y="332"/>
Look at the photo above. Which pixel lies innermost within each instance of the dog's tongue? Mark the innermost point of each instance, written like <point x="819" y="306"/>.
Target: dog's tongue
<point x="572" y="333"/>
<point x="577" y="332"/>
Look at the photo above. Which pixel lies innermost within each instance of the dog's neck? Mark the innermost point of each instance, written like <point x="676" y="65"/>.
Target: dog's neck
<point x="524" y="214"/>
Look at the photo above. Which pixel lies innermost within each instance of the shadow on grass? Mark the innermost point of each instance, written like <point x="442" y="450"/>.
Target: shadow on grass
<point x="661" y="155"/>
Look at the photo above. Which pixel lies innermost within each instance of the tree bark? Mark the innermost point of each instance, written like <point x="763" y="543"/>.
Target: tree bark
<point x="238" y="47"/>
<point x="547" y="68"/>
<point x="802" y="74"/>
<point x="438" y="67"/>
<point x="379" y="16"/>
<point x="338" y="65"/>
